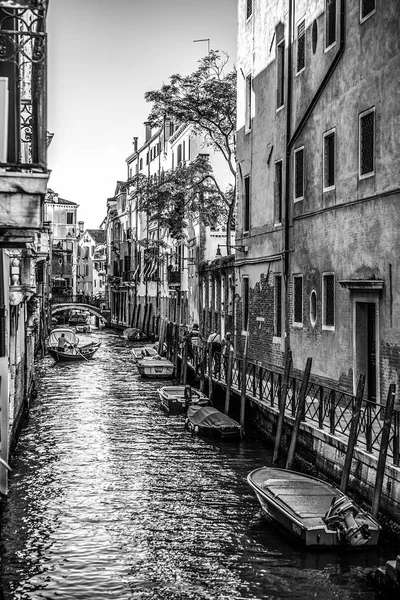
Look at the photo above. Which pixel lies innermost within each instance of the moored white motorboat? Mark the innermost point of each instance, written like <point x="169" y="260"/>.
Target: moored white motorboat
<point x="177" y="398"/>
<point x="315" y="511"/>
<point x="143" y="352"/>
<point x="155" y="367"/>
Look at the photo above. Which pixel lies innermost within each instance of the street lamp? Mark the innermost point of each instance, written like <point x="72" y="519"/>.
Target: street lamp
<point x="238" y="248"/>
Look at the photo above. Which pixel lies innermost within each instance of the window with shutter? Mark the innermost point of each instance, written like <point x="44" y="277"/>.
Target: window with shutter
<point x="301" y="46"/>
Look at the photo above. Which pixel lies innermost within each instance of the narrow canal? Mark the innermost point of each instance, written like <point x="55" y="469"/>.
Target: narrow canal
<point x="111" y="499"/>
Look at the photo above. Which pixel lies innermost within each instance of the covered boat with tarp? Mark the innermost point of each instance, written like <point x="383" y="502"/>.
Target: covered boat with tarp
<point x="133" y="334"/>
<point x="72" y="351"/>
<point x="207" y="420"/>
<point x="314" y="511"/>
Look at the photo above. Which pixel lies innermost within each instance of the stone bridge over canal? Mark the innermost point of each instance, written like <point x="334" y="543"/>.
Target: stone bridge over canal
<point x="94" y="310"/>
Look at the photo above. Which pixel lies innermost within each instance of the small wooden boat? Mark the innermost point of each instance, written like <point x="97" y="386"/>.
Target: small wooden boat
<point x="83" y="328"/>
<point x="143" y="352"/>
<point x="177" y="398"/>
<point x="207" y="420"/>
<point x="155" y="367"/>
<point x="72" y="352"/>
<point x="75" y="354"/>
<point x="316" y="512"/>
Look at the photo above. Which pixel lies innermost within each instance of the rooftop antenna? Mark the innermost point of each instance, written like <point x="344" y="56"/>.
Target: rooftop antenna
<point x="204" y="40"/>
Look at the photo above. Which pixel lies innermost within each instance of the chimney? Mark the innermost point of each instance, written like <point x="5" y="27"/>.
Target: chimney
<point x="81" y="227"/>
<point x="135" y="144"/>
<point x="147" y="131"/>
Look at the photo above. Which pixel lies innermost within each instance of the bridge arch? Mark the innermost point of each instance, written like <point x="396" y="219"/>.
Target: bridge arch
<point x="94" y="310"/>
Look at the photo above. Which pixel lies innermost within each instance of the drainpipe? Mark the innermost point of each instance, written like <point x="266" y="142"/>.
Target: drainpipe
<point x="291" y="139"/>
<point x="287" y="176"/>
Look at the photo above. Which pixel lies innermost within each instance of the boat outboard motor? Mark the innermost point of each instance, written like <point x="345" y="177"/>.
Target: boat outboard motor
<point x="342" y="516"/>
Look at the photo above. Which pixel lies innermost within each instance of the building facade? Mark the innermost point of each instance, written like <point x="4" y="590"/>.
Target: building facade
<point x="318" y="186"/>
<point x="23" y="181"/>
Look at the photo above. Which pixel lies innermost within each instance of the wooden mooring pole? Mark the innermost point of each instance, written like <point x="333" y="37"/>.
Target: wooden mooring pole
<point x="228" y="381"/>
<point x="355" y="419"/>
<point x="299" y="413"/>
<point x="376" y="501"/>
<point x="210" y="374"/>
<point x="282" y="403"/>
<point x="184" y="362"/>
<point x="243" y="386"/>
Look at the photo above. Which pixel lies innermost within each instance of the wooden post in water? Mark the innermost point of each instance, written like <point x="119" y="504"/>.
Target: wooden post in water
<point x="210" y="374"/>
<point x="176" y="349"/>
<point x="228" y="381"/>
<point x="376" y="501"/>
<point x="299" y="413"/>
<point x="184" y="362"/>
<point x="355" y="419"/>
<point x="243" y="386"/>
<point x="202" y="358"/>
<point x="282" y="404"/>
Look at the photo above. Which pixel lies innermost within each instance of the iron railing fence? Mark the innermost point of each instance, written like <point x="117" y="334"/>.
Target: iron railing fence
<point x="329" y="408"/>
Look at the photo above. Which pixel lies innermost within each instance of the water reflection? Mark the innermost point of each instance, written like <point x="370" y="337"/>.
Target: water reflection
<point x="110" y="498"/>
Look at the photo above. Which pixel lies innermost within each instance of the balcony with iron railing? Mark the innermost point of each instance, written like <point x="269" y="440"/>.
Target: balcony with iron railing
<point x="23" y="165"/>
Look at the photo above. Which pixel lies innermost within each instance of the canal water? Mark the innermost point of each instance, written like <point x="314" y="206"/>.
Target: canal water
<point x="112" y="499"/>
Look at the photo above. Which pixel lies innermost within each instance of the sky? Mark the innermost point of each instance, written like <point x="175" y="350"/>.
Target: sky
<point x="103" y="55"/>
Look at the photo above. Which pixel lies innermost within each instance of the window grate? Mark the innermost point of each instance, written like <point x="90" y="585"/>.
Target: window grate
<point x="246" y="216"/>
<point x="299" y="174"/>
<point x="329" y="281"/>
<point x="298" y="299"/>
<point x="246" y="298"/>
<point x="278" y="191"/>
<point x="301" y="45"/>
<point x="278" y="305"/>
<point x="249" y="10"/>
<point x="367" y="7"/>
<point x="367" y="143"/>
<point x="329" y="160"/>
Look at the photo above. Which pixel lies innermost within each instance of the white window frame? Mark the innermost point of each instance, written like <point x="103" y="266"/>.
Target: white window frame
<point x="296" y="151"/>
<point x="298" y="324"/>
<point x="245" y="278"/>
<point x="252" y="8"/>
<point x="278" y="44"/>
<point x="324" y="326"/>
<point x="360" y="116"/>
<point x="299" y="22"/>
<point x="328" y="134"/>
<point x="369" y="15"/>
<point x="276" y="221"/>
<point x="278" y="338"/>
<point x="249" y="103"/>
<point x="327" y="48"/>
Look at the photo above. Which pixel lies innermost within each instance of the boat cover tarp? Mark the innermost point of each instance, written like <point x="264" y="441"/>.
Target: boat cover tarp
<point x="208" y="416"/>
<point x="70" y="336"/>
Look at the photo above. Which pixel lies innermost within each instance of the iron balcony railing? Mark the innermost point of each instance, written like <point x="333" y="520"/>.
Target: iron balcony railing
<point x="23" y="66"/>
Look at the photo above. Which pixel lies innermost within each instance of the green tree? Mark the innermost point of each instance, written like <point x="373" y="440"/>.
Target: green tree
<point x="205" y="100"/>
